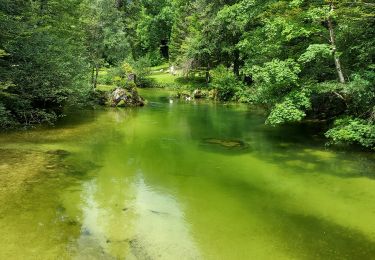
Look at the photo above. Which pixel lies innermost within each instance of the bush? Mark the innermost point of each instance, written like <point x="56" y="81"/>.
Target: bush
<point x="362" y="93"/>
<point x="125" y="70"/>
<point x="142" y="68"/>
<point x="155" y="58"/>
<point x="291" y="109"/>
<point x="246" y="95"/>
<point x="353" y="130"/>
<point x="107" y="76"/>
<point x="226" y="83"/>
<point x="285" y="112"/>
<point x="147" y="83"/>
<point x="6" y="119"/>
<point x="274" y="79"/>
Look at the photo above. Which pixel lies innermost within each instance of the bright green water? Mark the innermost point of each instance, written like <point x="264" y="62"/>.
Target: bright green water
<point x="143" y="184"/>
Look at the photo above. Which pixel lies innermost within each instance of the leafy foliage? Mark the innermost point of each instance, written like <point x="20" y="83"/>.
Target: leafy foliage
<point x="353" y="130"/>
<point x="6" y="120"/>
<point x="291" y="109"/>
<point x="316" y="51"/>
<point x="285" y="112"/>
<point x="45" y="61"/>
<point x="226" y="84"/>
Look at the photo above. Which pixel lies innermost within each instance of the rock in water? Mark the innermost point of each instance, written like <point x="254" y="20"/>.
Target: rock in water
<point x="226" y="143"/>
<point x="126" y="97"/>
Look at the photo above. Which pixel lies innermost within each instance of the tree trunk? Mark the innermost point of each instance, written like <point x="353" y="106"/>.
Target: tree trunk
<point x="208" y="73"/>
<point x="92" y="76"/>
<point x="95" y="81"/>
<point x="236" y="63"/>
<point x="334" y="49"/>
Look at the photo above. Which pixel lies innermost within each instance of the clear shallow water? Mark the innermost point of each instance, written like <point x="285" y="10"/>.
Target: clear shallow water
<point x="146" y="184"/>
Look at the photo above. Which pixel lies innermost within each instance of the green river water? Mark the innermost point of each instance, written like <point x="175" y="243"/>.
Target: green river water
<point x="182" y="181"/>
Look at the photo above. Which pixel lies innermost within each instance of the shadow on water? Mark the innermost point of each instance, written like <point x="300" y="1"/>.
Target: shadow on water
<point x="302" y="235"/>
<point x="316" y="238"/>
<point x="305" y="152"/>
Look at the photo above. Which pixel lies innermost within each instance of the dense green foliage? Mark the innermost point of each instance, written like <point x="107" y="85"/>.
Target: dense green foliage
<point x="49" y="48"/>
<point x="225" y="83"/>
<point x="42" y="64"/>
<point x="301" y="59"/>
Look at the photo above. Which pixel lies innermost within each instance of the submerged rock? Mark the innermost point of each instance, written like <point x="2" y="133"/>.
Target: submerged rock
<point x="138" y="249"/>
<point x="81" y="169"/>
<point x="58" y="152"/>
<point x="72" y="222"/>
<point x="86" y="232"/>
<point x="51" y="167"/>
<point x="226" y="143"/>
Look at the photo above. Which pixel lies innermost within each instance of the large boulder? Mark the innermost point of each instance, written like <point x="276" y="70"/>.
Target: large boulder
<point x="125" y="97"/>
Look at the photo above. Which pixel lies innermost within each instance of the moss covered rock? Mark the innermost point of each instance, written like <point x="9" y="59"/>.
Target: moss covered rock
<point x="125" y="97"/>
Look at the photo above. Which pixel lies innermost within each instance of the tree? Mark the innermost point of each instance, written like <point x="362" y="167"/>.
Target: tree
<point x="106" y="40"/>
<point x="45" y="62"/>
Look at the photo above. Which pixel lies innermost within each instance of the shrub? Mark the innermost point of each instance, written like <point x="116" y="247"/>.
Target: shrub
<point x="142" y="68"/>
<point x="125" y="69"/>
<point x="226" y="83"/>
<point x="155" y="58"/>
<point x="6" y="119"/>
<point x="107" y="77"/>
<point x="285" y="112"/>
<point x="274" y="79"/>
<point x="246" y="95"/>
<point x="353" y="130"/>
<point x="292" y="109"/>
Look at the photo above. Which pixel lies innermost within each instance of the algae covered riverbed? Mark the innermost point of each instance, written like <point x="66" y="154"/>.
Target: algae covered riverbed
<point x="182" y="181"/>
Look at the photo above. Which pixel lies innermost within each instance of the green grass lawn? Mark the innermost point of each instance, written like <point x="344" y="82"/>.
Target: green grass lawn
<point x="163" y="66"/>
<point x="103" y="87"/>
<point x="165" y="79"/>
<point x="159" y="77"/>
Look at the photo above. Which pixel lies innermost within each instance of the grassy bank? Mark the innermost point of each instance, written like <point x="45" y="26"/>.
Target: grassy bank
<point x="158" y="77"/>
<point x="161" y="77"/>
